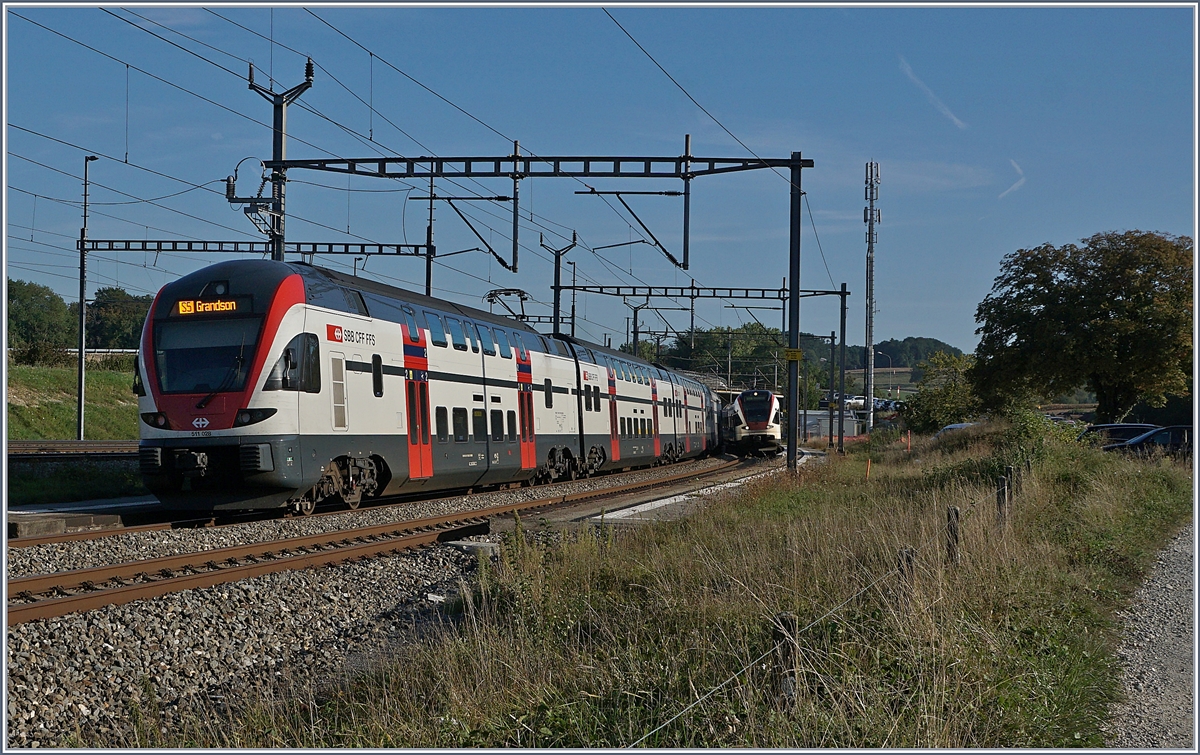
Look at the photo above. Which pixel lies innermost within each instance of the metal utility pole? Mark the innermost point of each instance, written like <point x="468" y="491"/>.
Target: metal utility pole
<point x="83" y="293"/>
<point x="516" y="197"/>
<point x="832" y="363"/>
<point x="279" y="102"/>
<point x="842" y="389"/>
<point x="558" y="255"/>
<point x="795" y="227"/>
<point x="871" y="217"/>
<point x="687" y="198"/>
<point x="729" y="362"/>
<point x="573" y="292"/>
<point x="429" y="249"/>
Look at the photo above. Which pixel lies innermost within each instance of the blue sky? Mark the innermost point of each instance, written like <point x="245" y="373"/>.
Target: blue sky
<point x="995" y="129"/>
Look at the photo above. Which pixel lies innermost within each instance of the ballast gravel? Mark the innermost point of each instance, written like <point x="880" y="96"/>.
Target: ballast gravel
<point x="1157" y="655"/>
<point x="133" y="546"/>
<point x="87" y="678"/>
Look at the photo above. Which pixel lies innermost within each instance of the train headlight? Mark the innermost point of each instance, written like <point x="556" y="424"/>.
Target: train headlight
<point x="157" y="420"/>
<point x="251" y="416"/>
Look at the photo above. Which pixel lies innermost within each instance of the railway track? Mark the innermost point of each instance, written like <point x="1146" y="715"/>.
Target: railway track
<point x="58" y="450"/>
<point x="227" y="520"/>
<point x="52" y="595"/>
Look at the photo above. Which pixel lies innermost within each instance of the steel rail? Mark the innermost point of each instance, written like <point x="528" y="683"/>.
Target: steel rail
<point x="325" y="549"/>
<point x="211" y="520"/>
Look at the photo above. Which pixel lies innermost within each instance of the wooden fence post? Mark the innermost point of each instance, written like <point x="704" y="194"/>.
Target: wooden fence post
<point x="1010" y="474"/>
<point x="952" y="535"/>
<point x="783" y="633"/>
<point x="1001" y="502"/>
<point x="904" y="564"/>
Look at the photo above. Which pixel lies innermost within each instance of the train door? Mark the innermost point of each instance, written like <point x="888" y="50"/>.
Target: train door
<point x="528" y="441"/>
<point x="654" y="418"/>
<point x="613" y="427"/>
<point x="416" y="391"/>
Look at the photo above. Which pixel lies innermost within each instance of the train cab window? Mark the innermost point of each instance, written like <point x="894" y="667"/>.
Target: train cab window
<point x="497" y="425"/>
<point x="460" y="424"/>
<point x="377" y="375"/>
<point x="549" y="394"/>
<point x="502" y="344"/>
<point x="299" y="367"/>
<point x="410" y="319"/>
<point x="436" y="333"/>
<point x="521" y="350"/>
<point x="485" y="340"/>
<point x="470" y="328"/>
<point x="479" y="425"/>
<point x="443" y="426"/>
<point x="512" y="426"/>
<point x="456" y="334"/>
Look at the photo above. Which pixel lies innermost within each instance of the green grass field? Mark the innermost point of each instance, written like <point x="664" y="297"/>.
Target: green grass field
<point x="42" y="400"/>
<point x="597" y="640"/>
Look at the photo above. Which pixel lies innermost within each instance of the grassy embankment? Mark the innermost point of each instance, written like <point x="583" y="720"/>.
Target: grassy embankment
<point x="597" y="640"/>
<point x="42" y="405"/>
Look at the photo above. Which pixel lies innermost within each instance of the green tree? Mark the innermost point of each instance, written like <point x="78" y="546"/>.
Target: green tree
<point x="115" y="319"/>
<point x="944" y="394"/>
<point x="38" y="321"/>
<point x="1113" y="315"/>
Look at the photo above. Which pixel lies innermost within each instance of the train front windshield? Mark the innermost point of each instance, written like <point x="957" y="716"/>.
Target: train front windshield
<point x="756" y="408"/>
<point x="204" y="356"/>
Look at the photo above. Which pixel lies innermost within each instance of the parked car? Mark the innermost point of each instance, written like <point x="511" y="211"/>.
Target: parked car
<point x="1175" y="440"/>
<point x="1114" y="433"/>
<point x="952" y="428"/>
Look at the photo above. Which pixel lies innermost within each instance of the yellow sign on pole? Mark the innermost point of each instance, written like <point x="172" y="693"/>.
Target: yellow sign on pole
<point x="793" y="355"/>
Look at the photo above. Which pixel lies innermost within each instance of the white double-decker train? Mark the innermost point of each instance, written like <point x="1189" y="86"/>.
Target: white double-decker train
<point x="267" y="384"/>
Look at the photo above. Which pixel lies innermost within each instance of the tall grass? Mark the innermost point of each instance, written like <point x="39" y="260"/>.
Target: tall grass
<point x="42" y="403"/>
<point x="599" y="637"/>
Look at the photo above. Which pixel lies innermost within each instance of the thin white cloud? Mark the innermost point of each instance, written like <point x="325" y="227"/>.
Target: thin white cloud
<point x="933" y="98"/>
<point x="1020" y="182"/>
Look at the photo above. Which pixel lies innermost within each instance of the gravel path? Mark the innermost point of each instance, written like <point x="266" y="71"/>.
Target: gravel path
<point x="1157" y="652"/>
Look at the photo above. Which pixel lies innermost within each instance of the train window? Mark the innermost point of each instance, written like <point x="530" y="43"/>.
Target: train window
<point x="502" y="344"/>
<point x="443" y="425"/>
<point x="460" y="425"/>
<point x="545" y="346"/>
<point x="377" y="375"/>
<point x="645" y="427"/>
<point x="549" y="394"/>
<point x="596" y="406"/>
<point x="521" y="350"/>
<point x="456" y="333"/>
<point x="424" y="401"/>
<point x="622" y="427"/>
<point x="470" y="328"/>
<point x="485" y="340"/>
<point x="497" y="425"/>
<point x="414" y="331"/>
<point x="560" y="348"/>
<point x="479" y="425"/>
<point x="512" y="426"/>
<point x="587" y="398"/>
<point x="436" y="333"/>
<point x="298" y="368"/>
<point x="414" y="418"/>
<point x="355" y="300"/>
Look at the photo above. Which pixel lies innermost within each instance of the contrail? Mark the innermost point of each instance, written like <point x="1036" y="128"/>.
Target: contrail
<point x="1018" y="184"/>
<point x="941" y="106"/>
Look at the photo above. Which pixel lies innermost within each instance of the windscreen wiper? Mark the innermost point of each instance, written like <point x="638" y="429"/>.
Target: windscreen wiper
<point x="234" y="370"/>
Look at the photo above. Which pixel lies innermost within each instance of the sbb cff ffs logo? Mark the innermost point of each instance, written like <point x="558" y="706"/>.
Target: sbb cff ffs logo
<point x="200" y="423"/>
<point x="334" y="332"/>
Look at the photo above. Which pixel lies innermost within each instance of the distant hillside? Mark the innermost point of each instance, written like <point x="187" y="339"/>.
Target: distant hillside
<point x="907" y="353"/>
